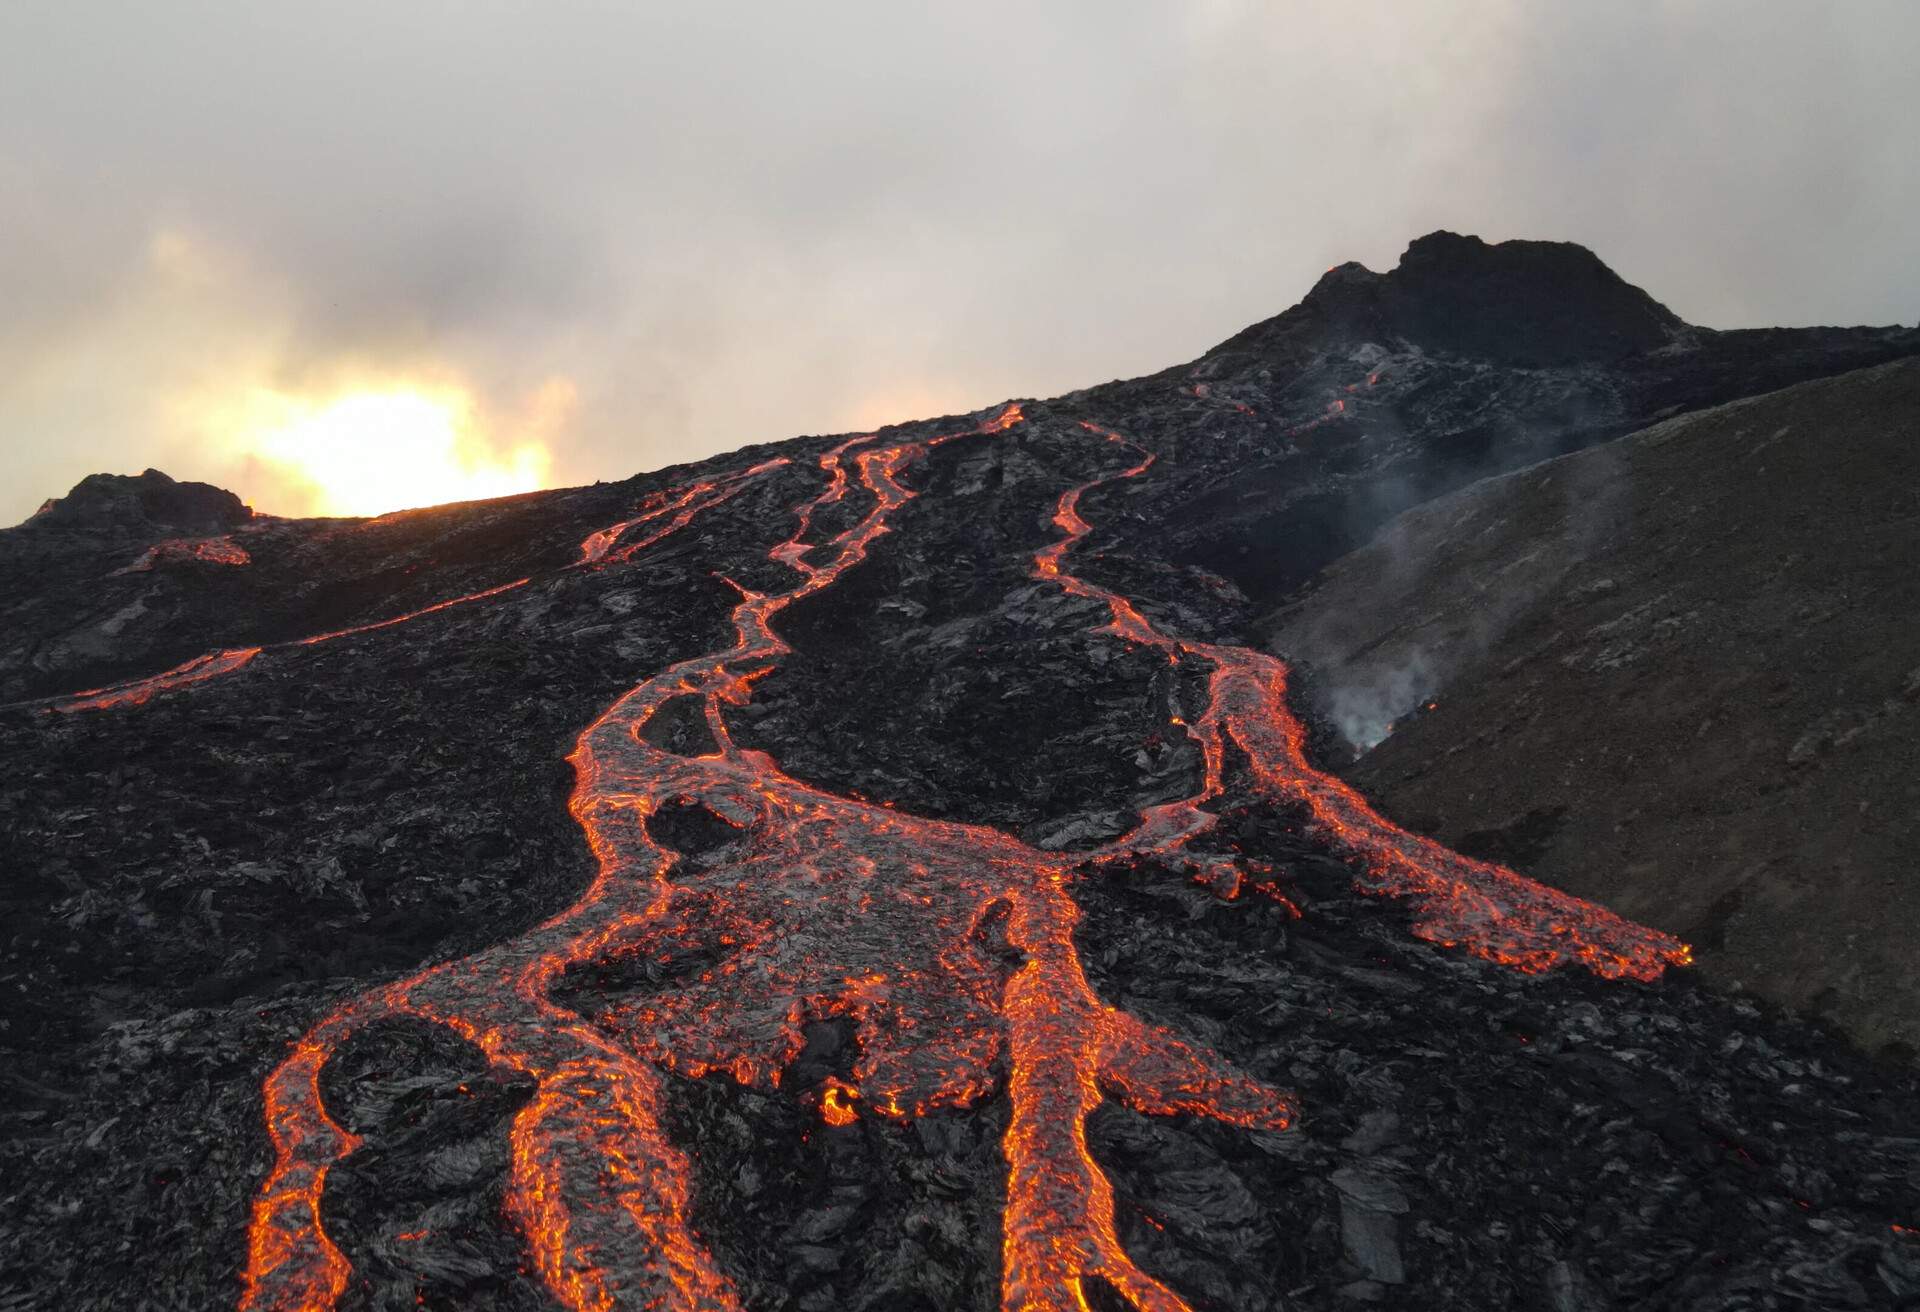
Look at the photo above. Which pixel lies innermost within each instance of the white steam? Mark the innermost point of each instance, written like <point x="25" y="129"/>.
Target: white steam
<point x="1365" y="710"/>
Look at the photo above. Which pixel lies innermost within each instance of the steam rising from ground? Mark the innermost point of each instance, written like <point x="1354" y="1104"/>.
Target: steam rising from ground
<point x="1390" y="648"/>
<point x="1365" y="709"/>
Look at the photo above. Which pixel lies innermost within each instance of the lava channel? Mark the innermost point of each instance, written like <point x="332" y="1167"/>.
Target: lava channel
<point x="822" y="906"/>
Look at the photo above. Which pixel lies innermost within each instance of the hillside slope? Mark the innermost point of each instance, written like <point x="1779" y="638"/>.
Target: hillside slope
<point x="1679" y="673"/>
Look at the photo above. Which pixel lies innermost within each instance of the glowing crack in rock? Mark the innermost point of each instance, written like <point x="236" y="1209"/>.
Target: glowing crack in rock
<point x="136" y="692"/>
<point x="204" y="551"/>
<point x="948" y="947"/>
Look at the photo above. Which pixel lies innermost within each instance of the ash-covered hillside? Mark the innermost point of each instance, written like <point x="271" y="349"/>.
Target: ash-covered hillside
<point x="876" y="872"/>
<point x="1679" y="672"/>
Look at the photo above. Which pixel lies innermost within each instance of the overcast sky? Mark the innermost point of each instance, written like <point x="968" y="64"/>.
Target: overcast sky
<point x="633" y="234"/>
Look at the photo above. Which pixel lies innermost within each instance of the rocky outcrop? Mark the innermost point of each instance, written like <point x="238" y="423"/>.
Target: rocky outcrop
<point x="1521" y="304"/>
<point x="144" y="505"/>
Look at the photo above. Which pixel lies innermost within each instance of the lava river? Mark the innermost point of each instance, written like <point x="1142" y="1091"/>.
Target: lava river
<point x="948" y="947"/>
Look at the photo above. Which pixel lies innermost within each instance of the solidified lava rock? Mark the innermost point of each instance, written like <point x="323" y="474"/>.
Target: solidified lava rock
<point x="195" y="881"/>
<point x="146" y="503"/>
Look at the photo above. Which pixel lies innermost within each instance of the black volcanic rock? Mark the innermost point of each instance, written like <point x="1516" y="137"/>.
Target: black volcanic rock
<point x="195" y="881"/>
<point x="145" y="505"/>
<point x="1525" y="304"/>
<point x="1293" y="441"/>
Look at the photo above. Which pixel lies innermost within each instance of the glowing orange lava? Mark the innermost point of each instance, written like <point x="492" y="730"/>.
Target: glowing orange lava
<point x="437" y="606"/>
<point x="828" y="906"/>
<point x="135" y="692"/>
<point x="1487" y="909"/>
<point x="206" y="551"/>
<point x="837" y="1102"/>
<point x="606" y="548"/>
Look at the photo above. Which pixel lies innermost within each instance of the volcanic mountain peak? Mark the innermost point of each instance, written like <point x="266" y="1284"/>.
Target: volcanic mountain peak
<point x="143" y="505"/>
<point x="1522" y="303"/>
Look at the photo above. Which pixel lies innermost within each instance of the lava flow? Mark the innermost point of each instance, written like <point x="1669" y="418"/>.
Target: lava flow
<point x="1458" y="902"/>
<point x="601" y="548"/>
<point x="822" y="906"/>
<point x="948" y="947"/>
<point x="136" y="692"/>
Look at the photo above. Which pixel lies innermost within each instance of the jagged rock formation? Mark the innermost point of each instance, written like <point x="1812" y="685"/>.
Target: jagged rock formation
<point x="1679" y="673"/>
<point x="309" y="945"/>
<point x="147" y="505"/>
<point x="1524" y="304"/>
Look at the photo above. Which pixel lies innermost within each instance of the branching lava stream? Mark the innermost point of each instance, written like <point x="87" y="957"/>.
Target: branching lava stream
<point x="827" y="906"/>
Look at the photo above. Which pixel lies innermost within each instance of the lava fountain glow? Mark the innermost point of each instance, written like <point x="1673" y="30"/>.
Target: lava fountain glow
<point x="367" y="452"/>
<point x="827" y="906"/>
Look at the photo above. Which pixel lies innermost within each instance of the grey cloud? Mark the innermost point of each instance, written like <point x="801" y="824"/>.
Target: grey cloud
<point x="730" y="222"/>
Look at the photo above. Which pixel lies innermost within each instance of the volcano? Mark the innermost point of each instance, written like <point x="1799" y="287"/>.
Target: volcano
<point x="880" y="871"/>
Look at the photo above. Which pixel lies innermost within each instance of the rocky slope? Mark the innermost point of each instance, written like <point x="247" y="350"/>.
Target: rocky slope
<point x="1679" y="673"/>
<point x="940" y="910"/>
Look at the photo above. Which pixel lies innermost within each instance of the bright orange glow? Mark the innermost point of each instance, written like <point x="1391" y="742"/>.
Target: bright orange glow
<point x="213" y="664"/>
<point x="831" y="906"/>
<point x="367" y="452"/>
<point x="602" y="548"/>
<point x="137" y="692"/>
<point x="836" y="1103"/>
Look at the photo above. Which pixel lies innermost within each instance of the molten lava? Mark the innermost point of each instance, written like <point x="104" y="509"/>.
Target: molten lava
<point x="823" y="906"/>
<point x="437" y="606"/>
<point x="1487" y="909"/>
<point x="135" y="692"/>
<point x="836" y="1103"/>
<point x="606" y="548"/>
